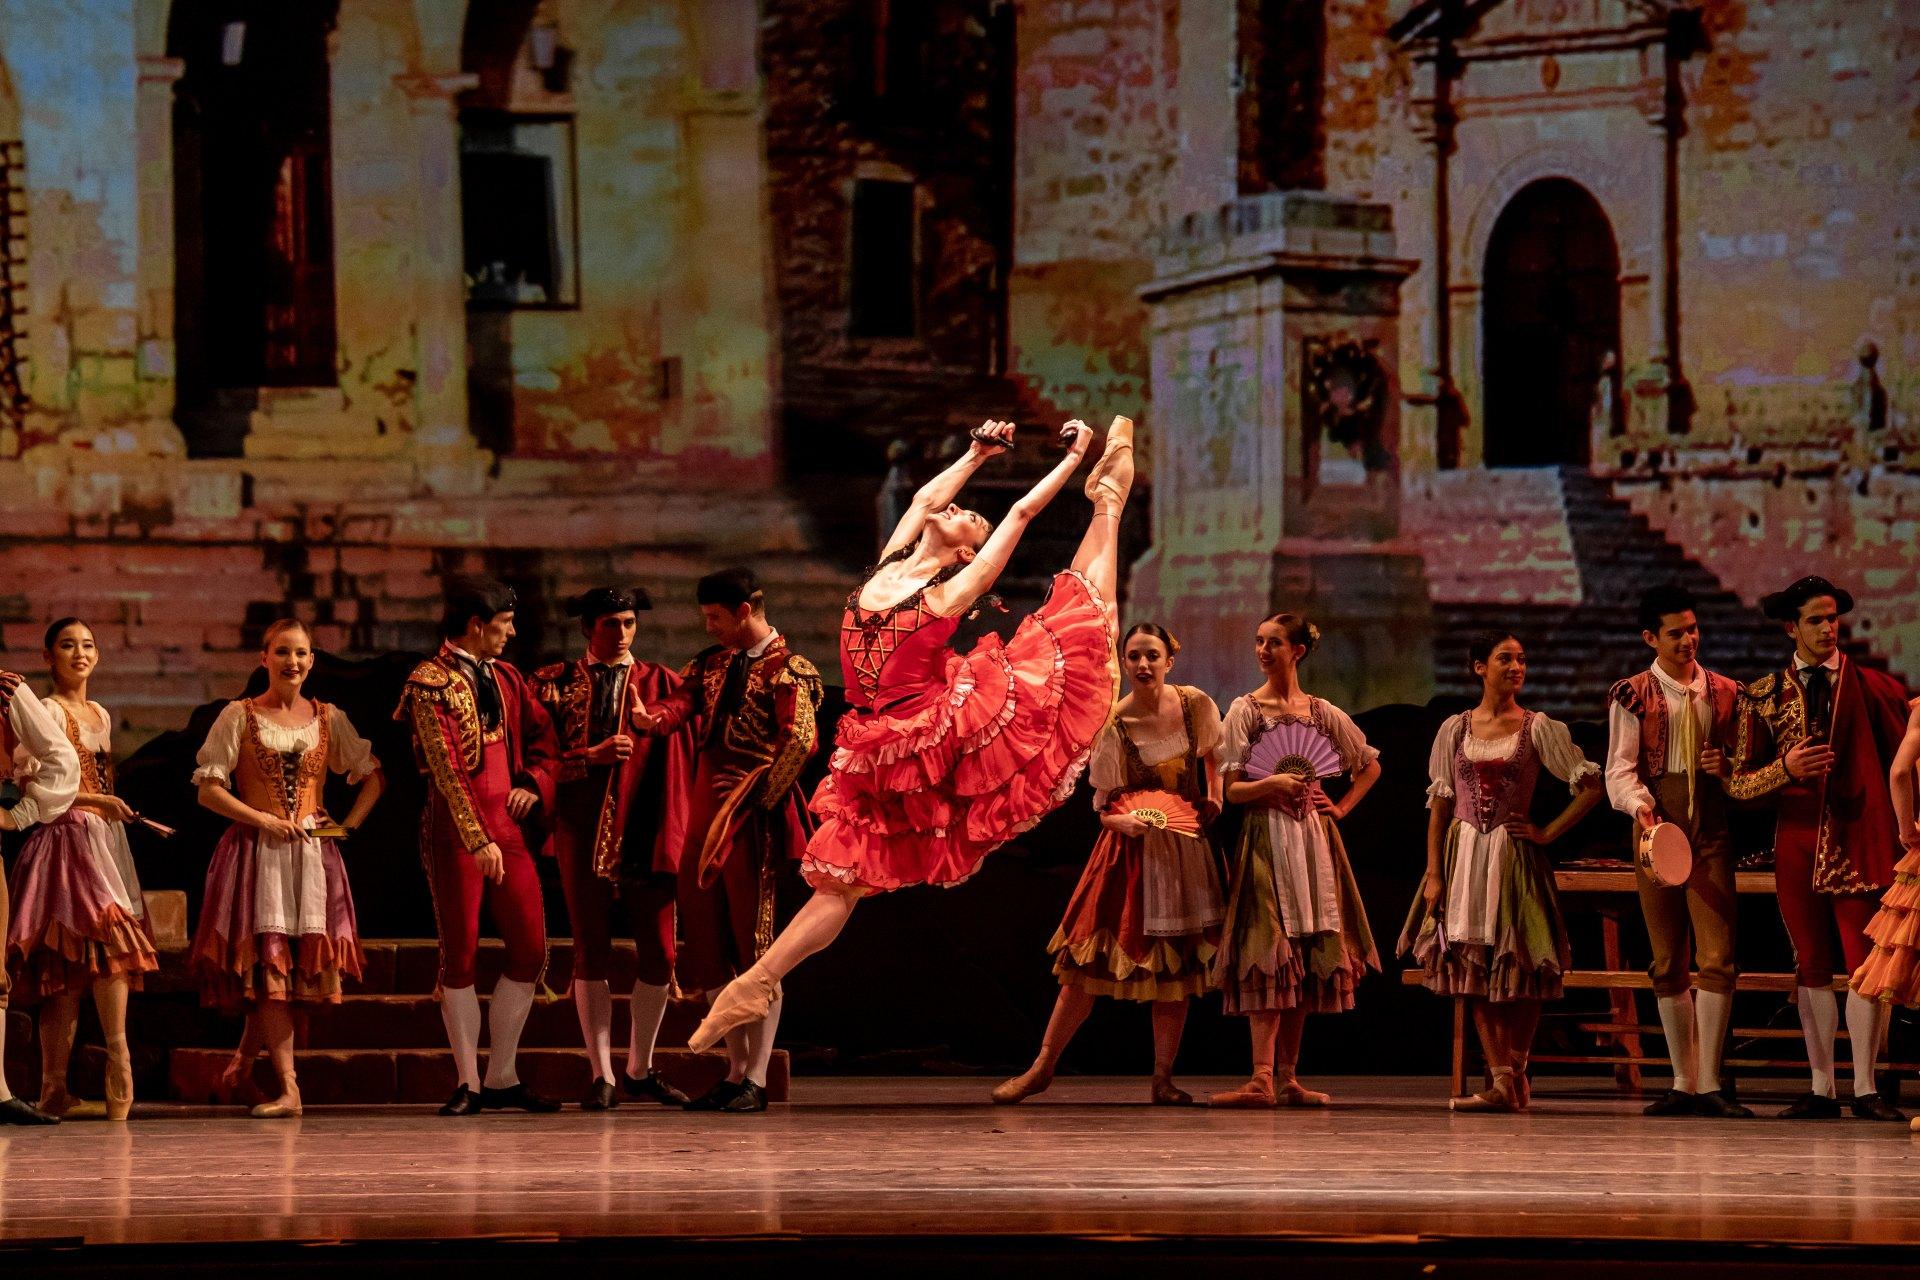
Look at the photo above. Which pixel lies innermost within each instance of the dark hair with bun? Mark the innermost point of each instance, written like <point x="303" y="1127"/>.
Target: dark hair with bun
<point x="1296" y="628"/>
<point x="1155" y="630"/>
<point x="1480" y="648"/>
<point x="59" y="625"/>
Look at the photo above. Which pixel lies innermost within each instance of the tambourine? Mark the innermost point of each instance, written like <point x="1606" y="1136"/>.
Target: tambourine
<point x="1665" y="854"/>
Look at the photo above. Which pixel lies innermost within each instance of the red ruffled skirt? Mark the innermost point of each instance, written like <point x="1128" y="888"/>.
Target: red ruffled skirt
<point x="1892" y="970"/>
<point x="68" y="929"/>
<point x="923" y="793"/>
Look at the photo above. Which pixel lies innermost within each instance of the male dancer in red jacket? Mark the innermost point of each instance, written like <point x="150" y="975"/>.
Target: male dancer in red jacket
<point x="1821" y="734"/>
<point x="488" y="750"/>
<point x="609" y="815"/>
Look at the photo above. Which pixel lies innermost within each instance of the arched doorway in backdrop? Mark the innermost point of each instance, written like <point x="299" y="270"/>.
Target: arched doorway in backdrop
<point x="1550" y="317"/>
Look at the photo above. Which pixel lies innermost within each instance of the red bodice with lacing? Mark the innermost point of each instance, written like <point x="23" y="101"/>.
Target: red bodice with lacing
<point x="890" y="655"/>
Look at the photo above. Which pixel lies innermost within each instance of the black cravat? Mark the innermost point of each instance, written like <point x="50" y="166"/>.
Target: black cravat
<point x="604" y="719"/>
<point x="1819" y="686"/>
<point x="486" y="691"/>
<point x="732" y="689"/>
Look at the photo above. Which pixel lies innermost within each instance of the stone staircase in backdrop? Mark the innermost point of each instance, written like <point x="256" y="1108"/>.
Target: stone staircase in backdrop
<point x="1575" y="651"/>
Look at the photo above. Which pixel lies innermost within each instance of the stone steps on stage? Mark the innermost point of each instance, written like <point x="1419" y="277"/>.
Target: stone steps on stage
<point x="384" y="1042"/>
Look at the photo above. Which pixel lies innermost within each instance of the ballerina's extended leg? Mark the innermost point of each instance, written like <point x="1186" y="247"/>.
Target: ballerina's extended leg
<point x="1098" y="557"/>
<point x="748" y="997"/>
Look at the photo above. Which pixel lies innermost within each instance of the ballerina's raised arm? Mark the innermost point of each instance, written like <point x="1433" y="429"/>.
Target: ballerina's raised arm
<point x="957" y="593"/>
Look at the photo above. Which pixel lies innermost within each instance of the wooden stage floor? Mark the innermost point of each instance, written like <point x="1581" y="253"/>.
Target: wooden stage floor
<point x="922" y="1158"/>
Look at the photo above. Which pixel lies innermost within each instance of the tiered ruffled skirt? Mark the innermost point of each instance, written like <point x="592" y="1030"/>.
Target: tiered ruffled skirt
<point x="923" y="792"/>
<point x="1144" y="921"/>
<point x="70" y="927"/>
<point x="1261" y="966"/>
<point x="238" y="962"/>
<point x="1892" y="970"/>
<point x="1529" y="956"/>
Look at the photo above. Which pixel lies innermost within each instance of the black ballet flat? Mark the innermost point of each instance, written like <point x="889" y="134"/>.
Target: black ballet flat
<point x="1811" y="1106"/>
<point x="651" y="1086"/>
<point x="517" y="1097"/>
<point x="716" y="1098"/>
<point x="19" y="1111"/>
<point x="463" y="1102"/>
<point x="600" y="1097"/>
<point x="1871" y="1106"/>
<point x="751" y="1098"/>
<point x="1719" y="1106"/>
<point x="1672" y="1103"/>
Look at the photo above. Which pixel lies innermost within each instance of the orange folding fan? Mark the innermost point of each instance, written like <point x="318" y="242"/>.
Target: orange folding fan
<point x="1162" y="809"/>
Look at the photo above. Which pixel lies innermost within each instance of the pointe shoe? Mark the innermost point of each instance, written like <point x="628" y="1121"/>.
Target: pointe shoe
<point x="1498" y="1097"/>
<point x="1295" y="1094"/>
<point x="1112" y="477"/>
<point x="1164" y="1093"/>
<point x="746" y="999"/>
<point x="1522" y="1089"/>
<point x="119" y="1080"/>
<point x="1257" y="1092"/>
<point x="1023" y="1086"/>
<point x="55" y="1101"/>
<point x="278" y="1110"/>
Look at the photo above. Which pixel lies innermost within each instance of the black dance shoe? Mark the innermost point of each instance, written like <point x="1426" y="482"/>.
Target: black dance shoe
<point x="1718" y="1105"/>
<point x="20" y="1111"/>
<point x="1871" y="1106"/>
<point x="752" y="1097"/>
<point x="600" y="1097"/>
<point x="464" y="1102"/>
<point x="718" y="1097"/>
<point x="1811" y="1106"/>
<point x="1672" y="1103"/>
<point x="516" y="1097"/>
<point x="652" y="1086"/>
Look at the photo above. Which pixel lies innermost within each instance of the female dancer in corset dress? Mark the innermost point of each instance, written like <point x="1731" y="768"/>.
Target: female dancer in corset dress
<point x="1297" y="939"/>
<point x="1487" y="922"/>
<point x="79" y="920"/>
<point x="1144" y="921"/>
<point x="943" y="757"/>
<point x="277" y="925"/>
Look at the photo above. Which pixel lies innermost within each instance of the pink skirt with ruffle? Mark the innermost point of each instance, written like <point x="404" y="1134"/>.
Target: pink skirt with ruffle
<point x="922" y="794"/>
<point x="68" y="930"/>
<point x="237" y="964"/>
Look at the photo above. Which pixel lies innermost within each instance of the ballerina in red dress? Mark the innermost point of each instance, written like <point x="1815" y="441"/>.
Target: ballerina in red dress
<point x="942" y="756"/>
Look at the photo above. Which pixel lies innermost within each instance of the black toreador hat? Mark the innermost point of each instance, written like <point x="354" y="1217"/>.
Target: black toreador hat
<point x="1784" y="606"/>
<point x="601" y="601"/>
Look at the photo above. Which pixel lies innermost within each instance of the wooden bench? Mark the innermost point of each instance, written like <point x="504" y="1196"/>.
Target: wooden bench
<point x="1624" y="1028"/>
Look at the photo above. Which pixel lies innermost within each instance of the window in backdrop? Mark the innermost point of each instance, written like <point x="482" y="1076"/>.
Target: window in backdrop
<point x="519" y="214"/>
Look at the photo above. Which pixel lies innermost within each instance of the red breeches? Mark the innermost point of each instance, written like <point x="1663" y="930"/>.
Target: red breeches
<point x="1827" y="929"/>
<point x="593" y="901"/>
<point x="459" y="890"/>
